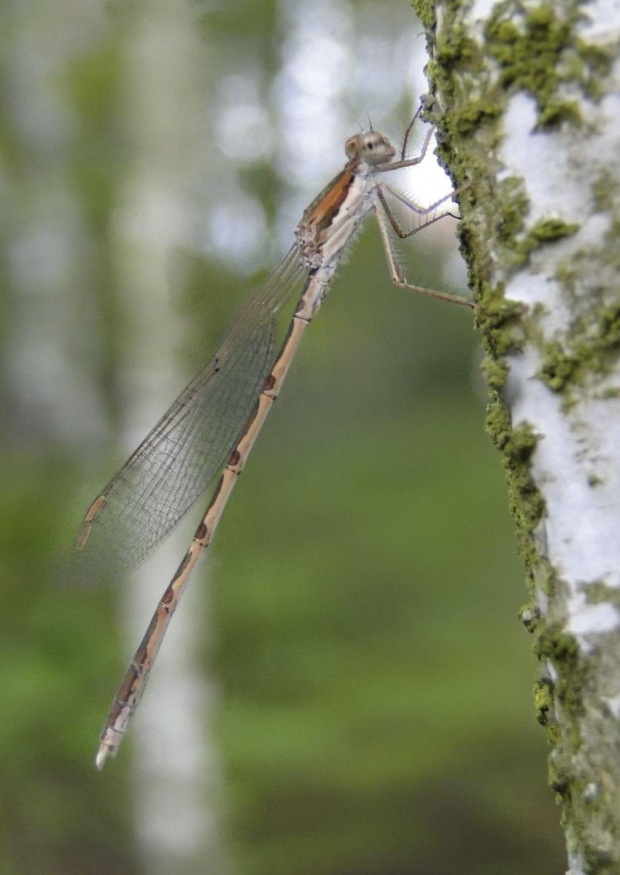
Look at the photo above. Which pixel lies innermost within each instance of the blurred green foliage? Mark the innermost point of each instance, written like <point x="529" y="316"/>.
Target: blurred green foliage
<point x="376" y="714"/>
<point x="376" y="680"/>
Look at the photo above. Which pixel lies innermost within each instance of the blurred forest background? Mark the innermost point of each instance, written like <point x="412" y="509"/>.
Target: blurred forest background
<point x="346" y="688"/>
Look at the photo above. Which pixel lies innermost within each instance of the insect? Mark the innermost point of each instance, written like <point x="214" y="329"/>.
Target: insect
<point x="214" y="422"/>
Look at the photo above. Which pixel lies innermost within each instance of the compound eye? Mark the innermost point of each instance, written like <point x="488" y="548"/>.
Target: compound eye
<point x="350" y="147"/>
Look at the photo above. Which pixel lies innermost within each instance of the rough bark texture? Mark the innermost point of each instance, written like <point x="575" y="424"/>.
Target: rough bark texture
<point x="526" y="99"/>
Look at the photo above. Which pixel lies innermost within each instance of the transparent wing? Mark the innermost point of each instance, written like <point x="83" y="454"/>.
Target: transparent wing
<point x="177" y="460"/>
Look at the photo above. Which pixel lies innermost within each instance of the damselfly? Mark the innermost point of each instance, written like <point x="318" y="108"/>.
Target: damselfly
<point x="214" y="422"/>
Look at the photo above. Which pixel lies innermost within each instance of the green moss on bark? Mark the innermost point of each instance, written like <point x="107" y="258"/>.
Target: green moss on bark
<point x="474" y="76"/>
<point x="538" y="51"/>
<point x="593" y="349"/>
<point x="531" y="49"/>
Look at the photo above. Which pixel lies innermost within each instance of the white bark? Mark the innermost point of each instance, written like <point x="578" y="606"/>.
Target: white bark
<point x="527" y="102"/>
<point x="173" y="760"/>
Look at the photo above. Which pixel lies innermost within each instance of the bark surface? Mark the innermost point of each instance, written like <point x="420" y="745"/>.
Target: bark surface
<point x="526" y="99"/>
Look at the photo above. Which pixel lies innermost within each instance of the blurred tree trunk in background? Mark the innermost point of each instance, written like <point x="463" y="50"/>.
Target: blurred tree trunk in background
<point x="102" y="130"/>
<point x="525" y="97"/>
<point x="164" y="113"/>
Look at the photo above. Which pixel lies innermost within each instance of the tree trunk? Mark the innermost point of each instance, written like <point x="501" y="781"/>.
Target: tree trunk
<point x="525" y="99"/>
<point x="164" y="79"/>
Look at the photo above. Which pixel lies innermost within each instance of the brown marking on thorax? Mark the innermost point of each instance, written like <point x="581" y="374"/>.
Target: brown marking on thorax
<point x="315" y="222"/>
<point x="321" y="212"/>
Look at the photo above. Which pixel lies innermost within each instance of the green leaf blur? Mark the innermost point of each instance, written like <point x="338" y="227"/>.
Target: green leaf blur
<point x="374" y="683"/>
